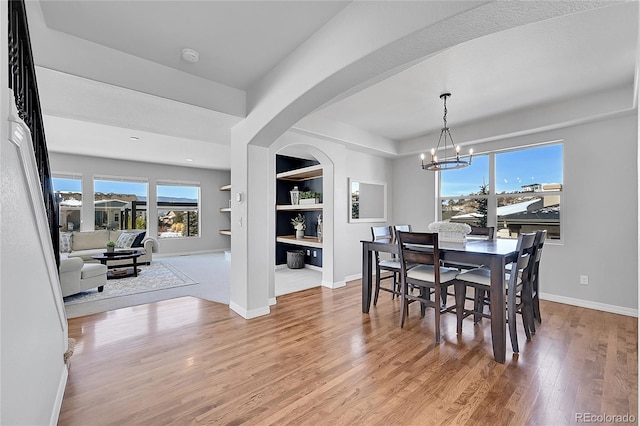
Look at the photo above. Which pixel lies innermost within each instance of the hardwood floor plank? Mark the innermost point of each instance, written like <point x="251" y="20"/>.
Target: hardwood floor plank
<point x="316" y="359"/>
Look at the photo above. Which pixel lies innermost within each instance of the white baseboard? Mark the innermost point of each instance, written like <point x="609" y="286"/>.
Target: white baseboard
<point x="589" y="304"/>
<point x="254" y="313"/>
<point x="272" y="301"/>
<point x="57" y="404"/>
<point x="353" y="277"/>
<point x="336" y="284"/>
<point x="187" y="253"/>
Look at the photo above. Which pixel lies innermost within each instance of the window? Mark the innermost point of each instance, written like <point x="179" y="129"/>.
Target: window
<point x="120" y="203"/>
<point x="68" y="190"/>
<point x="525" y="195"/>
<point x="178" y="209"/>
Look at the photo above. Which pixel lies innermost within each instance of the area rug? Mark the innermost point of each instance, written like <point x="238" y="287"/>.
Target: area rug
<point x="157" y="276"/>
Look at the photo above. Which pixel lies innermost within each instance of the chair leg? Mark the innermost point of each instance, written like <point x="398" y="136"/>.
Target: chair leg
<point x="437" y="312"/>
<point x="536" y="309"/>
<point x="460" y="292"/>
<point x="393" y="285"/>
<point x="375" y="297"/>
<point x="403" y="301"/>
<point x="511" y="319"/>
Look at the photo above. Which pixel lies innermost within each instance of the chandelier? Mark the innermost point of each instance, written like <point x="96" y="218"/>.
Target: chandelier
<point x="449" y="162"/>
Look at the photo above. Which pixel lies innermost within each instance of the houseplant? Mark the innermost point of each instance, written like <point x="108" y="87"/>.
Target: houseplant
<point x="299" y="225"/>
<point x="111" y="245"/>
<point x="309" y="197"/>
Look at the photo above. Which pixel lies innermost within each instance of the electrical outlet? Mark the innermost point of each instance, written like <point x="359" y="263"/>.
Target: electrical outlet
<point x="308" y="253"/>
<point x="315" y="253"/>
<point x="584" y="279"/>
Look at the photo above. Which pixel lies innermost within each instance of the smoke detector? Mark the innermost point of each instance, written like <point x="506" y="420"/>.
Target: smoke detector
<point x="190" y="55"/>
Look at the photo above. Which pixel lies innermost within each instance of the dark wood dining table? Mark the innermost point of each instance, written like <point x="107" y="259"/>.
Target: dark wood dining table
<point x="494" y="254"/>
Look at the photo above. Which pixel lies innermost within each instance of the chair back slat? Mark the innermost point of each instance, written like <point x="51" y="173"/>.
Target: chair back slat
<point x="381" y="233"/>
<point x="521" y="266"/>
<point x="483" y="231"/>
<point x="418" y="247"/>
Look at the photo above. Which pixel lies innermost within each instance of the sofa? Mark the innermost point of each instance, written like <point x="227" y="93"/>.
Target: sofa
<point x="77" y="276"/>
<point x="84" y="244"/>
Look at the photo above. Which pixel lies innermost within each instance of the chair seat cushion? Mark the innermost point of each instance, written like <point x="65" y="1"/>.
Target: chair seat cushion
<point x="390" y="263"/>
<point x="426" y="273"/>
<point x="476" y="275"/>
<point x="482" y="276"/>
<point x="90" y="270"/>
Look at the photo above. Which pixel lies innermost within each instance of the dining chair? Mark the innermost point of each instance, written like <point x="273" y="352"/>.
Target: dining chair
<point x="403" y="228"/>
<point x="420" y="268"/>
<point x="541" y="236"/>
<point x="518" y="288"/>
<point x="477" y="233"/>
<point x="485" y="232"/>
<point x="383" y="234"/>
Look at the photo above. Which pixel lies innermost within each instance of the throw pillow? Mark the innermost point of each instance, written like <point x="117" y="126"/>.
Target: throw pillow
<point x="65" y="242"/>
<point x="138" y="241"/>
<point x="126" y="239"/>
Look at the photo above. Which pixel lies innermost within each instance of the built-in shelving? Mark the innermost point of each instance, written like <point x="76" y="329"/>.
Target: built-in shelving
<point x="304" y="173"/>
<point x="299" y="207"/>
<point x="306" y="241"/>
<point x="225" y="209"/>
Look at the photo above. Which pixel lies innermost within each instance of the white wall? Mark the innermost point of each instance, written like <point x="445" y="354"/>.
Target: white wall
<point x="32" y="318"/>
<point x="599" y="212"/>
<point x="211" y="198"/>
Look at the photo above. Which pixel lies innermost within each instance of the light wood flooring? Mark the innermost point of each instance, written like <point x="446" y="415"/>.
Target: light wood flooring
<point x="317" y="360"/>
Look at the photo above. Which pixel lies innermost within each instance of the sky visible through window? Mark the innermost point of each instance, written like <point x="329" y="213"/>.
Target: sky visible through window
<point x="139" y="189"/>
<point x="513" y="170"/>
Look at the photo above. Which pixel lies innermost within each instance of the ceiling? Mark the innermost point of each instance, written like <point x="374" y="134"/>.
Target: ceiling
<point x="239" y="42"/>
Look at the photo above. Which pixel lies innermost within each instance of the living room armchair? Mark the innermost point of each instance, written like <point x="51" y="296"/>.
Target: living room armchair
<point x="77" y="276"/>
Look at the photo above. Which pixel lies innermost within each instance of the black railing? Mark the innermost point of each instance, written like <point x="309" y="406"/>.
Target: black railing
<point x="22" y="80"/>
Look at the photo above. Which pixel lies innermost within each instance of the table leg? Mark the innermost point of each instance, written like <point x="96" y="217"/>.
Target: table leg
<point x="135" y="267"/>
<point x="366" y="279"/>
<point x="498" y="320"/>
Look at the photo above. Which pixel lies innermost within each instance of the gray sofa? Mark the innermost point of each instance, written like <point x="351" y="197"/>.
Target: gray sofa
<point x="85" y="244"/>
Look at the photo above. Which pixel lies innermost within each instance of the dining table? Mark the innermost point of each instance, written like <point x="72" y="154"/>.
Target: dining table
<point x="493" y="254"/>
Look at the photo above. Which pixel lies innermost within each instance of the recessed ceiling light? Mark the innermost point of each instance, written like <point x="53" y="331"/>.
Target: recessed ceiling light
<point x="134" y="138"/>
<point x="189" y="160"/>
<point x="190" y="55"/>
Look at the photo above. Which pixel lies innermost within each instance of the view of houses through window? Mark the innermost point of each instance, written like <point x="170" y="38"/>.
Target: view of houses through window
<point x="525" y="194"/>
<point x="178" y="209"/>
<point x="121" y="203"/>
<point x="68" y="189"/>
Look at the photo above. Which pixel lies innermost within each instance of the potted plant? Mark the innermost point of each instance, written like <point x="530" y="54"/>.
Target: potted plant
<point x="299" y="225"/>
<point x="309" y="197"/>
<point x="111" y="245"/>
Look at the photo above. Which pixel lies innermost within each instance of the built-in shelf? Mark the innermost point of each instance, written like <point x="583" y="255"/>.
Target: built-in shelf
<point x="225" y="209"/>
<point x="306" y="241"/>
<point x="305" y="173"/>
<point x="299" y="207"/>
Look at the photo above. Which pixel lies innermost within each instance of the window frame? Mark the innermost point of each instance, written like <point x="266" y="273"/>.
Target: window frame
<point x="68" y="176"/>
<point x="492" y="196"/>
<point x="126" y="179"/>
<point x="159" y="207"/>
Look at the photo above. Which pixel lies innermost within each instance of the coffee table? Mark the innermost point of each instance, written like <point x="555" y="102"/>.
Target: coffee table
<point x="128" y="270"/>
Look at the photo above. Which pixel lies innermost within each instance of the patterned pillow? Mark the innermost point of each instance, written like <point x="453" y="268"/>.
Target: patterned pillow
<point x="126" y="239"/>
<point x="65" y="242"/>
